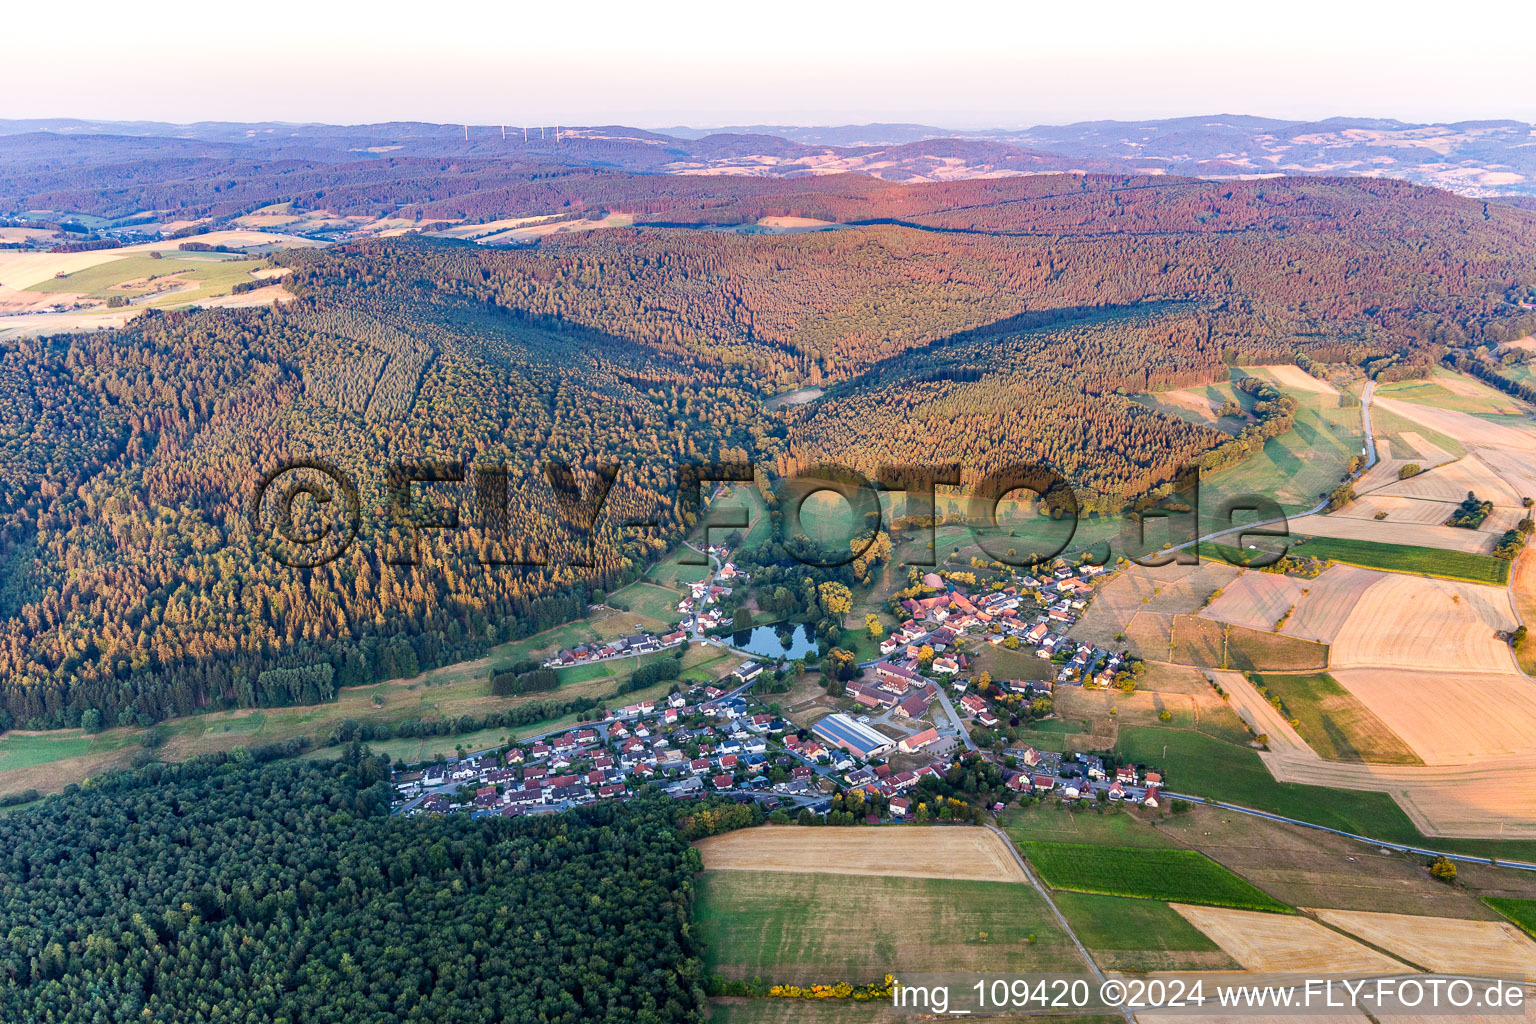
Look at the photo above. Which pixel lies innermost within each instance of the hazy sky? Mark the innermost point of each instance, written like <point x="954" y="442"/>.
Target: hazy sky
<point x="652" y="65"/>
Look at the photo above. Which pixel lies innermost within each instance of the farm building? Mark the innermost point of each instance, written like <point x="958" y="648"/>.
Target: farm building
<point x="854" y="737"/>
<point x="920" y="740"/>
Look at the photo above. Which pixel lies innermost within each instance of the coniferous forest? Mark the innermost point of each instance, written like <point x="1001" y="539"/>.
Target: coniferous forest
<point x="983" y="322"/>
<point x="222" y="890"/>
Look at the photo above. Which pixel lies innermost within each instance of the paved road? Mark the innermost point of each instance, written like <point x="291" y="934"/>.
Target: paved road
<point x="954" y="716"/>
<point x="1519" y="865"/>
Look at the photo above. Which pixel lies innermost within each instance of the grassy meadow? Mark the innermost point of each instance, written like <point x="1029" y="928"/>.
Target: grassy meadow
<point x="813" y="928"/>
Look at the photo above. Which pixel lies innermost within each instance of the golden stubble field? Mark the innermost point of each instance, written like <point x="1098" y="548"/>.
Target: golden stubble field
<point x="1446" y="945"/>
<point x="1289" y="376"/>
<point x="1285" y="943"/>
<point x="977" y="854"/>
<point x="1317" y="608"/>
<point x="1375" y="619"/>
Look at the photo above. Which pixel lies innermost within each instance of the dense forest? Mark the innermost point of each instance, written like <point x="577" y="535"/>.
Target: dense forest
<point x="986" y="321"/>
<point x="221" y="890"/>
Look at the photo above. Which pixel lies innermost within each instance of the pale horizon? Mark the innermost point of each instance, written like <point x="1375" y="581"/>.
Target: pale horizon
<point x="800" y="64"/>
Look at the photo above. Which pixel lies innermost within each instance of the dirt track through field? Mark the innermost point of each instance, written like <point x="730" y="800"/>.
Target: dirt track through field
<point x="1285" y="943"/>
<point x="950" y="852"/>
<point x="1444" y="944"/>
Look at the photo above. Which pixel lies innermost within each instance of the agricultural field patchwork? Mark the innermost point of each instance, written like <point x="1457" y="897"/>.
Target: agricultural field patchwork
<point x="1448" y="946"/>
<point x="1275" y="943"/>
<point x="1334" y="722"/>
<point x="1126" y="934"/>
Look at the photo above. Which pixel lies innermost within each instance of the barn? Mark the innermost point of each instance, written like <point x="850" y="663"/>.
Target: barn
<point x="856" y="738"/>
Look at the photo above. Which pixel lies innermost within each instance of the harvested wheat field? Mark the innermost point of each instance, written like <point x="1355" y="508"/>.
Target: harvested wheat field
<point x="1258" y="600"/>
<point x="1294" y="377"/>
<point x="1206" y="643"/>
<point x="1443" y="944"/>
<point x="1395" y="509"/>
<point x="1461" y="426"/>
<point x="1392" y="531"/>
<point x="977" y="854"/>
<point x="1484" y="798"/>
<point x="1414" y="450"/>
<point x="1451" y="482"/>
<point x="1449" y="717"/>
<point x="1414" y="622"/>
<point x="1518" y="469"/>
<point x="1285" y="943"/>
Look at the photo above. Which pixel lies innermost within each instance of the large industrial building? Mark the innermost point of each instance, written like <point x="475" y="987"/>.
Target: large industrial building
<point x="856" y="738"/>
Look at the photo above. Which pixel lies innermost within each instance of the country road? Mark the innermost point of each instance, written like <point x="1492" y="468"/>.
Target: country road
<point x="1520" y="865"/>
<point x="1061" y="919"/>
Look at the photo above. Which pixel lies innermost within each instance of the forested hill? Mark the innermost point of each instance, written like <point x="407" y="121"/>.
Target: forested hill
<point x="982" y="321"/>
<point x="224" y="891"/>
<point x="118" y="169"/>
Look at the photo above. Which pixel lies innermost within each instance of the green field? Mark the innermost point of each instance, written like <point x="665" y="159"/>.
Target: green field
<point x="1433" y="392"/>
<point x="1005" y="664"/>
<point x="1296" y="468"/>
<point x="21" y="750"/>
<point x="1336" y="724"/>
<point x="1455" y="565"/>
<point x="1521" y="912"/>
<point x="1127" y="934"/>
<point x="211" y="273"/>
<point x="658" y="604"/>
<point x="1458" y="565"/>
<point x="814" y="928"/>
<point x="1521" y="374"/>
<point x="1179" y="876"/>
<point x="1048" y="823"/>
